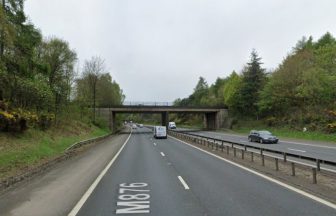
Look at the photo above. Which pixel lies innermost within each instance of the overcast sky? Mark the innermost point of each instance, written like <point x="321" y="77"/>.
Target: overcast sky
<point x="157" y="49"/>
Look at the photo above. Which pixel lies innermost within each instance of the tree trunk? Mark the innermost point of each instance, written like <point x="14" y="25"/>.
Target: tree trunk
<point x="2" y="35"/>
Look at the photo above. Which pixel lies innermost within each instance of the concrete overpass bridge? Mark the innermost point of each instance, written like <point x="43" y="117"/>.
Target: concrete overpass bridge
<point x="214" y="118"/>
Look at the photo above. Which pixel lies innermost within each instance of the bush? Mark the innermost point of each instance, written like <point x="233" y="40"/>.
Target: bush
<point x="45" y="121"/>
<point x="101" y="123"/>
<point x="19" y="120"/>
<point x="270" y="121"/>
<point x="331" y="128"/>
<point x="12" y="122"/>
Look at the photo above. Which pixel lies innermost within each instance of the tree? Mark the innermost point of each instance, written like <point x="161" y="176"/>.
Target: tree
<point x="253" y="80"/>
<point x="231" y="90"/>
<point x="93" y="69"/>
<point x="108" y="92"/>
<point x="200" y="91"/>
<point x="59" y="62"/>
<point x="303" y="44"/>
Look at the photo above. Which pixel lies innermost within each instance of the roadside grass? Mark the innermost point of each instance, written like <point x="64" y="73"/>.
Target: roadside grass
<point x="21" y="151"/>
<point x="284" y="132"/>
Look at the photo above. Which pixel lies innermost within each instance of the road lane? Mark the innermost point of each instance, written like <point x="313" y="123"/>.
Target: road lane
<point x="316" y="151"/>
<point x="141" y="162"/>
<point x="227" y="190"/>
<point x="214" y="186"/>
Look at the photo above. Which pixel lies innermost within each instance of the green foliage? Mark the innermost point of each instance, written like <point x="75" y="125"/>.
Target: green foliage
<point x="296" y="94"/>
<point x="38" y="75"/>
<point x="253" y="80"/>
<point x="231" y="90"/>
<point x="303" y="82"/>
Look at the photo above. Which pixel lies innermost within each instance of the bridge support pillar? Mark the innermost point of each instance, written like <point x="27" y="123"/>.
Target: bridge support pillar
<point x="164" y="119"/>
<point x="112" y="121"/>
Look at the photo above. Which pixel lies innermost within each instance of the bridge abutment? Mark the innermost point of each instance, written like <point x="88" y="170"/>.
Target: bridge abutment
<point x="215" y="120"/>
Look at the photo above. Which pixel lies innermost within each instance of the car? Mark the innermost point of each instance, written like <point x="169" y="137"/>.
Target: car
<point x="160" y="132"/>
<point x="140" y="125"/>
<point x="171" y="125"/>
<point x="134" y="126"/>
<point x="262" y="136"/>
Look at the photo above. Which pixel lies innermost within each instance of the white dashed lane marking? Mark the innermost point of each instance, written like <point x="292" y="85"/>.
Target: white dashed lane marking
<point x="296" y="150"/>
<point x="183" y="183"/>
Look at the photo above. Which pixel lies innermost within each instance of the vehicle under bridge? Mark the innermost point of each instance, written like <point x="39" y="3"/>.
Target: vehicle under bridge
<point x="214" y="118"/>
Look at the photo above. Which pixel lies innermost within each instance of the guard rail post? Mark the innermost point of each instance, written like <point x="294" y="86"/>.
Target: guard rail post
<point x="318" y="167"/>
<point x="314" y="175"/>
<point x="276" y="164"/>
<point x="293" y="168"/>
<point x="242" y="154"/>
<point x="222" y="146"/>
<point x="234" y="151"/>
<point x="262" y="157"/>
<point x="251" y="156"/>
<point x="285" y="156"/>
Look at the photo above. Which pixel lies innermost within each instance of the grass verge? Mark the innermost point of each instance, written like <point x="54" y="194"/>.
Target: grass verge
<point x="21" y="151"/>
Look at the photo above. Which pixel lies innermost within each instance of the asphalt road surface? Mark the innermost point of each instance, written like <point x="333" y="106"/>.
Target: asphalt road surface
<point x="309" y="149"/>
<point x="168" y="177"/>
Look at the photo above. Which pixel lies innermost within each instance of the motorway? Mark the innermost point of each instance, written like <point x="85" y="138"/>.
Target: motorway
<point x="168" y="177"/>
<point x="309" y="149"/>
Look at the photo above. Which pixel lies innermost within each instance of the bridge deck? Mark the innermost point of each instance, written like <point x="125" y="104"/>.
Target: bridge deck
<point x="159" y="109"/>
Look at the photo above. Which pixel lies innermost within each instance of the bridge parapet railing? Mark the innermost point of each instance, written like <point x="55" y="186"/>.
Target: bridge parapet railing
<point x="151" y="103"/>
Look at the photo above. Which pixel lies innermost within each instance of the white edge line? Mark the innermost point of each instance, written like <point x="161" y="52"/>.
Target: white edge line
<point x="162" y="154"/>
<point x="87" y="194"/>
<point x="183" y="183"/>
<point x="317" y="199"/>
<point x="296" y="150"/>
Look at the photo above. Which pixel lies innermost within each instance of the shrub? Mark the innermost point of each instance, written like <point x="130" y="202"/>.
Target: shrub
<point x="331" y="128"/>
<point x="45" y="120"/>
<point x="18" y="120"/>
<point x="270" y="121"/>
<point x="12" y="122"/>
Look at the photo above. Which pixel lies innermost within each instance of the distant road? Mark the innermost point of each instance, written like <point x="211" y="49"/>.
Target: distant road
<point x="168" y="177"/>
<point x="310" y="149"/>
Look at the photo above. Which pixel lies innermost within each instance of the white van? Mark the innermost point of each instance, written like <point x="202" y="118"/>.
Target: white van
<point x="160" y="132"/>
<point x="171" y="125"/>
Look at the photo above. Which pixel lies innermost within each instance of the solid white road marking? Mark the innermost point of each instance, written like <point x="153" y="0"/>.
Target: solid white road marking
<point x="87" y="194"/>
<point x="303" y="193"/>
<point x="183" y="183"/>
<point x="296" y="150"/>
<point x="162" y="154"/>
